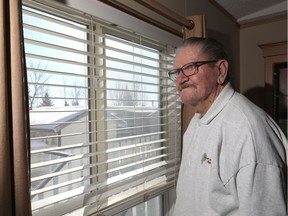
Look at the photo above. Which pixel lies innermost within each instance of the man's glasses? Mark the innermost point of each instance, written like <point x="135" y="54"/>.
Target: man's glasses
<point x="188" y="69"/>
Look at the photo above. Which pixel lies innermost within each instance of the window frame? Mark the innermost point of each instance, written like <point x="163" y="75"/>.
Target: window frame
<point x="95" y="136"/>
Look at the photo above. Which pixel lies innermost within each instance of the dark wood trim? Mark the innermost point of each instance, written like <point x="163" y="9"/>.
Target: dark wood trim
<point x="273" y="53"/>
<point x="165" y="12"/>
<point x="274" y="49"/>
<point x="263" y="21"/>
<point x="142" y="17"/>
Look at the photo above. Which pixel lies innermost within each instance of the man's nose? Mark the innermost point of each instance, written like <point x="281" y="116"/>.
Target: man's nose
<point x="181" y="78"/>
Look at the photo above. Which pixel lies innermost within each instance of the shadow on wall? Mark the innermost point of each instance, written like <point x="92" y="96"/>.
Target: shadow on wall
<point x="257" y="96"/>
<point x="265" y="99"/>
<point x="233" y="55"/>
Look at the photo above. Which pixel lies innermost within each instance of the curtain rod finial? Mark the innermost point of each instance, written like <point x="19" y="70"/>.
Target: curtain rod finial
<point x="190" y="25"/>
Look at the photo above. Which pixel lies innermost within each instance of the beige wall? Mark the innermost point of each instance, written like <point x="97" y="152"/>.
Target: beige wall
<point x="251" y="59"/>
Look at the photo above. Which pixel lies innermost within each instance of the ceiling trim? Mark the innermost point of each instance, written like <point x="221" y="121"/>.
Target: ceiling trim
<point x="272" y="11"/>
<point x="263" y="21"/>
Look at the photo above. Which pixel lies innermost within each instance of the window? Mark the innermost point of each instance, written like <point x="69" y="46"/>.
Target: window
<point x="104" y="118"/>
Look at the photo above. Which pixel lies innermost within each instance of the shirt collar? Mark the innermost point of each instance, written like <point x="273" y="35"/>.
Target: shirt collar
<point x="218" y="104"/>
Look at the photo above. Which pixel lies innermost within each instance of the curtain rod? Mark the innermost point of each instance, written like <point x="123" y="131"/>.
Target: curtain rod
<point x="167" y="13"/>
<point x="158" y="8"/>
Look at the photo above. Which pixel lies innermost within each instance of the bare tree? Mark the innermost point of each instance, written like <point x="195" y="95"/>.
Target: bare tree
<point x="65" y="90"/>
<point x="36" y="80"/>
<point x="76" y="93"/>
<point x="125" y="97"/>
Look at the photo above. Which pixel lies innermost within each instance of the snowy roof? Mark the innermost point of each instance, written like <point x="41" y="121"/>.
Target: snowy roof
<point x="55" y="118"/>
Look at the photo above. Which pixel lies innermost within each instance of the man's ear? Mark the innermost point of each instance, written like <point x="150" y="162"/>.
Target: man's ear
<point x="223" y="71"/>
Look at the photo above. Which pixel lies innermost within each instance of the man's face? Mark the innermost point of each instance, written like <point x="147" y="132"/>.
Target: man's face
<point x="199" y="89"/>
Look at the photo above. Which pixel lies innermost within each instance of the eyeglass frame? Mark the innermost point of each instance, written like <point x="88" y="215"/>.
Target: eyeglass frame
<point x="195" y="68"/>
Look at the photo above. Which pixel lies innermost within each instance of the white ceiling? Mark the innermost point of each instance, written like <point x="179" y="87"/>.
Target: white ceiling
<point x="245" y="11"/>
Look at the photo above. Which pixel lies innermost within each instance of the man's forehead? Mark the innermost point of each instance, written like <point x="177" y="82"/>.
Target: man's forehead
<point x="191" y="49"/>
<point x="188" y="53"/>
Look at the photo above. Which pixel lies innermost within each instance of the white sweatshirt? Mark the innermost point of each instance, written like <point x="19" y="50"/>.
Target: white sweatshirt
<point x="234" y="162"/>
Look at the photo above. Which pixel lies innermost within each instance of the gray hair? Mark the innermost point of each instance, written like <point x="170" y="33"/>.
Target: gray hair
<point x="210" y="47"/>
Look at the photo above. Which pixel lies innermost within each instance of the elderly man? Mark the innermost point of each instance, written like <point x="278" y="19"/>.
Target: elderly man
<point x="234" y="154"/>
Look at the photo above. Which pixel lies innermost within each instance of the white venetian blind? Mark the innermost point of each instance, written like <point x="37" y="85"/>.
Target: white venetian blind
<point x="104" y="118"/>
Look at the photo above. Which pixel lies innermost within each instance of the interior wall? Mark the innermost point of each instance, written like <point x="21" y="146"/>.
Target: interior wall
<point x="252" y="77"/>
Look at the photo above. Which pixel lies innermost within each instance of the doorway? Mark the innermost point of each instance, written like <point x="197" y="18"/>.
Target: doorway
<point x="275" y="67"/>
<point x="280" y="95"/>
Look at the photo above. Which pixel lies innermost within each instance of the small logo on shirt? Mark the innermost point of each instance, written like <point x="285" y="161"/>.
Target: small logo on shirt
<point x="205" y="159"/>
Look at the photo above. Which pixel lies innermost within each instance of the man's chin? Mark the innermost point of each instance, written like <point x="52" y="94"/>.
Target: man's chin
<point x="186" y="99"/>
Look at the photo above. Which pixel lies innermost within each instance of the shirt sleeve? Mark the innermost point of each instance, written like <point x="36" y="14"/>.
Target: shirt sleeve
<point x="261" y="190"/>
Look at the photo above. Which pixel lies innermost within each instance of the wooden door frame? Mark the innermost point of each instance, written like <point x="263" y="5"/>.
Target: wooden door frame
<point x="273" y="53"/>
